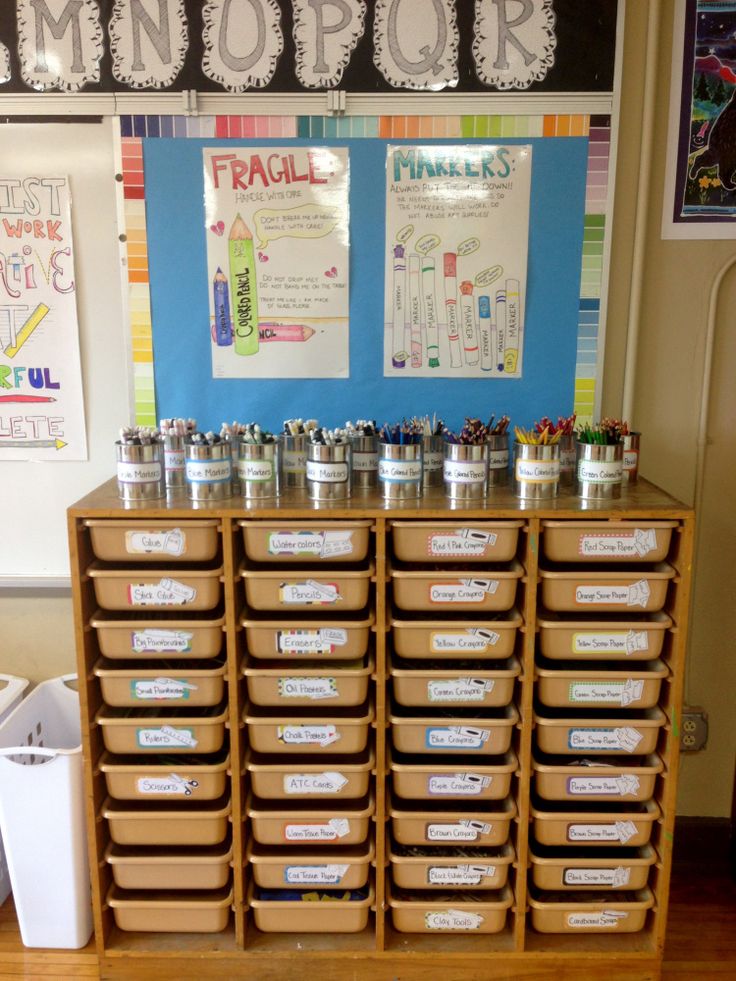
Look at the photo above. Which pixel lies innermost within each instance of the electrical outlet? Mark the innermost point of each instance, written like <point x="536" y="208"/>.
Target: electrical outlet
<point x="693" y="729"/>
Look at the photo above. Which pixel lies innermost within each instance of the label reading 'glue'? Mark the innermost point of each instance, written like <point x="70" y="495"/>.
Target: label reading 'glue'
<point x="209" y="471"/>
<point x="465" y="471"/>
<point x="139" y="473"/>
<point x="327" y="473"/>
<point x="169" y="542"/>
<point x="464" y="591"/>
<point x="166" y="592"/>
<point x="476" y="640"/>
<point x="161" y="641"/>
<point x="626" y="642"/>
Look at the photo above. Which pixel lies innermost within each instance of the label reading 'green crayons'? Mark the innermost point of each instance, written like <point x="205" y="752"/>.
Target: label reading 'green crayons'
<point x="244" y="288"/>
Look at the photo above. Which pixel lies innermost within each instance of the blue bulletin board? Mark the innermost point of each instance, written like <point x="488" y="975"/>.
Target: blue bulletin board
<point x="175" y="220"/>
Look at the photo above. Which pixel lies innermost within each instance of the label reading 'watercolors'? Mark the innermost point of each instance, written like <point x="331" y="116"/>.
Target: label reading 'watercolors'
<point x="459" y="690"/>
<point x="329" y="782"/>
<point x="616" y="877"/>
<point x="636" y="544"/>
<point x="600" y="471"/>
<point x="537" y="471"/>
<point x="209" y="471"/>
<point x="465" y="472"/>
<point x="166" y="592"/>
<point x="604" y="740"/>
<point x="622" y="785"/>
<point x="321" y="544"/>
<point x="314" y="875"/>
<point x="457" y="784"/>
<point x="169" y="542"/>
<point x="636" y="594"/>
<point x="610" y="642"/>
<point x="161" y="641"/>
<point x="466" y="541"/>
<point x="327" y="473"/>
<point x="464" y="591"/>
<point x="459" y="875"/>
<point x="455" y="737"/>
<point x="322" y="641"/>
<point x="453" y="919"/>
<point x="606" y="692"/>
<point x="474" y="640"/>
<point x="309" y="593"/>
<point x="139" y="473"/>
<point x="312" y="688"/>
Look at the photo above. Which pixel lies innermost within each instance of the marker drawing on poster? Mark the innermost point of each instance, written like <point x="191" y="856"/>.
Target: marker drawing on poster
<point x="41" y="405"/>
<point x="457" y="238"/>
<point x="277" y="261"/>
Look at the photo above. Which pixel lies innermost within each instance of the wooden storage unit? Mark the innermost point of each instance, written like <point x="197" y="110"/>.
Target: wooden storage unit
<point x="378" y="948"/>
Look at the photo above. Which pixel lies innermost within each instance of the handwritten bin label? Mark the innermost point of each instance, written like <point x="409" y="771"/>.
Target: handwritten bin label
<point x="171" y="785"/>
<point x="606" y="692"/>
<point x="309" y="593"/>
<point x="170" y="542"/>
<point x="139" y="473"/>
<point x="453" y="919"/>
<point x="601" y="471"/>
<point x="166" y="592"/>
<point x="606" y="918"/>
<point x="464" y="591"/>
<point x="331" y="830"/>
<point x="626" y="642"/>
<point x="209" y="471"/>
<point x="455" y="737"/>
<point x="308" y="735"/>
<point x="635" y="544"/>
<point x="465" y="472"/>
<point x="256" y="471"/>
<point x="466" y="541"/>
<point x="328" y="782"/>
<point x="601" y="740"/>
<point x="476" y="640"/>
<point x="459" y="875"/>
<point x="400" y="471"/>
<point x="312" y="688"/>
<point x="617" y="832"/>
<point x="621" y="785"/>
<point x="160" y="689"/>
<point x="321" y="544"/>
<point x="537" y="471"/>
<point x="458" y="831"/>
<point x="616" y="877"/>
<point x="165" y="737"/>
<point x="459" y="690"/>
<point x="314" y="875"/>
<point x="327" y="473"/>
<point x="457" y="784"/>
<point x="161" y="641"/>
<point x="636" y="594"/>
<point x="323" y="641"/>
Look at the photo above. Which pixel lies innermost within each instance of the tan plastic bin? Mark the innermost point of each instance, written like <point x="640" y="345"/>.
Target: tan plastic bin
<point x="292" y="823"/>
<point x="482" y="591"/>
<point x="591" y="590"/>
<point x="189" y="684"/>
<point x="315" y="590"/>
<point x="431" y="686"/>
<point x="150" y="638"/>
<point x="331" y="916"/>
<point x="170" y="868"/>
<point x="591" y="913"/>
<point x="479" y="638"/>
<point x="156" y="588"/>
<point x="180" y="778"/>
<point x="325" y="732"/>
<point x="460" y="732"/>
<point x="423" y="913"/>
<point x="612" y="779"/>
<point x="171" y="912"/>
<point x="607" y="541"/>
<point x="449" y="541"/>
<point x="162" y="731"/>
<point x="568" y="824"/>
<point x="570" y="685"/>
<point x="290" y="639"/>
<point x="306" y="541"/>
<point x="594" y="868"/>
<point x="452" y="778"/>
<point x="342" y="683"/>
<point x="154" y="541"/>
<point x="287" y="867"/>
<point x="146" y="823"/>
<point x="592" y="638"/>
<point x="451" y="823"/>
<point x="636" y="733"/>
<point x="456" y="868"/>
<point x="301" y="778"/>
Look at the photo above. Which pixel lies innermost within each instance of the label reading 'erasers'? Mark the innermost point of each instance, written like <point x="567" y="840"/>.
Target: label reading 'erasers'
<point x="169" y="542"/>
<point x="322" y="641"/>
<point x="166" y="592"/>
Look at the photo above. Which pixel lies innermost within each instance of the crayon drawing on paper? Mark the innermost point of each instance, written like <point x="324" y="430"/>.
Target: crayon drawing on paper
<point x="457" y="237"/>
<point x="41" y="404"/>
<point x="276" y="226"/>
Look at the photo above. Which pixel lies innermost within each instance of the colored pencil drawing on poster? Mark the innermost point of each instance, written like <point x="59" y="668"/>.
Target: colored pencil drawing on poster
<point x="457" y="225"/>
<point x="276" y="231"/>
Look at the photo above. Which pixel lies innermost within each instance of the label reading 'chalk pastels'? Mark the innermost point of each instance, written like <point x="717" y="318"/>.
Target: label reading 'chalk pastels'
<point x="452" y="919"/>
<point x="537" y="471"/>
<point x="170" y="542"/>
<point x="457" y="784"/>
<point x="636" y="544"/>
<point x="322" y="641"/>
<point x="309" y="593"/>
<point x="314" y="875"/>
<point x="459" y="690"/>
<point x="320" y="544"/>
<point x="312" y="688"/>
<point x="466" y="541"/>
<point x="606" y="692"/>
<point x="256" y="471"/>
<point x="160" y="689"/>
<point x="459" y="875"/>
<point x="464" y="591"/>
<point x="166" y="592"/>
<point x="465" y="472"/>
<point x="455" y="737"/>
<point x="400" y="471"/>
<point x="307" y="735"/>
<point x="623" y="785"/>
<point x="209" y="471"/>
<point x="618" y="831"/>
<point x="327" y="473"/>
<point x="636" y="594"/>
<point x="139" y="473"/>
<point x="473" y="639"/>
<point x="601" y="471"/>
<point x="171" y="785"/>
<point x="606" y="918"/>
<point x="459" y="831"/>
<point x="605" y="740"/>
<point x="161" y="641"/>
<point x="331" y="830"/>
<point x="616" y="877"/>
<point x="610" y="642"/>
<point x="165" y="737"/>
<point x="329" y="782"/>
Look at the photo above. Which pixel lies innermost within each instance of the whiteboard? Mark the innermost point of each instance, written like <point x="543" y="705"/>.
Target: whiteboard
<point x="34" y="496"/>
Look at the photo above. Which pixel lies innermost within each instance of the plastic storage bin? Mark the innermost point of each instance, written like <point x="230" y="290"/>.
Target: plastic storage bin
<point x="592" y="638"/>
<point x="311" y="730"/>
<point x="157" y="588"/>
<point x="156" y="636"/>
<point x="435" y="685"/>
<point x="418" y="912"/>
<point x="303" y="778"/>
<point x="449" y="541"/>
<point x="149" y="823"/>
<point x="324" y="823"/>
<point x="599" y="733"/>
<point x="170" y="912"/>
<point x="11" y="692"/>
<point x="190" y="684"/>
<point x="170" y="868"/>
<point x="42" y="816"/>
<point x="154" y="541"/>
<point x="191" y="778"/>
<point x="484" y="637"/>
<point x="306" y="541"/>
<point x="461" y="731"/>
<point x="335" y="915"/>
<point x="595" y="868"/>
<point x="162" y="730"/>
<point x="612" y="779"/>
<point x="616" y="590"/>
<point x="294" y="867"/>
<point x="328" y="639"/>
<point x="590" y="913"/>
<point x="452" y="777"/>
<point x="572" y="685"/>
<point x="342" y="683"/>
<point x="451" y="822"/>
<point x="306" y="589"/>
<point x="484" y="590"/>
<point x="594" y="824"/>
<point x="607" y="541"/>
<point x="458" y="868"/>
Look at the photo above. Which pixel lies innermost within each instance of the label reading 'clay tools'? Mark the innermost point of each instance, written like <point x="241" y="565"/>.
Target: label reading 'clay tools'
<point x="465" y="472"/>
<point x="400" y="471"/>
<point x="600" y="471"/>
<point x="331" y="830"/>
<point x="636" y="594"/>
<point x="312" y="688"/>
<point x="636" y="544"/>
<point x="459" y="831"/>
<point x="459" y="875"/>
<point x="323" y="641"/>
<point x="327" y="473"/>
<point x="457" y="784"/>
<point x="160" y="689"/>
<point x="309" y="593"/>
<point x="139" y="473"/>
<point x="459" y="690"/>
<point x="606" y="692"/>
<point x="455" y="737"/>
<point x="256" y="471"/>
<point x="452" y="919"/>
<point x="308" y="735"/>
<point x="314" y="875"/>
<point x="618" y="832"/>
<point x="467" y="541"/>
<point x="161" y="641"/>
<point x="170" y="542"/>
<point x="171" y="785"/>
<point x="320" y="544"/>
<point x="616" y="877"/>
<point x="537" y="471"/>
<point x="606" y="918"/>
<point x="476" y="640"/>
<point x="209" y="471"/>
<point x="165" y="737"/>
<point x="464" y="591"/>
<point x="605" y="740"/>
<point x="166" y="592"/>
<point x="328" y="782"/>
<point x="622" y="785"/>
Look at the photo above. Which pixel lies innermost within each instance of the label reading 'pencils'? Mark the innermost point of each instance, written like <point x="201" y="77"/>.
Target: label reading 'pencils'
<point x="309" y="593"/>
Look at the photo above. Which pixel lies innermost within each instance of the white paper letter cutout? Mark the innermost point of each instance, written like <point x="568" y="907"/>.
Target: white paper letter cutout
<point x="416" y="43"/>
<point x="59" y="43"/>
<point x="326" y="33"/>
<point x="149" y="41"/>
<point x="242" y="42"/>
<point x="514" y="42"/>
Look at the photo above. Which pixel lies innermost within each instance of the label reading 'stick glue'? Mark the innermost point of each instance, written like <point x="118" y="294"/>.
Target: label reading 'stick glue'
<point x="170" y="542"/>
<point x="166" y="592"/>
<point x="466" y="541"/>
<point x="610" y="642"/>
<point x="475" y="640"/>
<point x="139" y="473"/>
<point x="464" y="591"/>
<point x="309" y="593"/>
<point x="161" y="641"/>
<point x="323" y="641"/>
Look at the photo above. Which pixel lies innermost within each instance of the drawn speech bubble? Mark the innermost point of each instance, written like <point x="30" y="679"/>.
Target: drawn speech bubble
<point x="487" y="276"/>
<point x="427" y="242"/>
<point x="468" y="246"/>
<point x="304" y="221"/>
<point x="405" y="234"/>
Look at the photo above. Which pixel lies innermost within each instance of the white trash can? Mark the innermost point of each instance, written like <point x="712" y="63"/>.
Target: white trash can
<point x="42" y="817"/>
<point x="11" y="692"/>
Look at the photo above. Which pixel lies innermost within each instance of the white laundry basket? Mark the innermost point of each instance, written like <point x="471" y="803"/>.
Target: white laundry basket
<point x="11" y="692"/>
<point x="42" y="817"/>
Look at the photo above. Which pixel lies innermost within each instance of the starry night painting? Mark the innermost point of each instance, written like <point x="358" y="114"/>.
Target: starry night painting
<point x="706" y="181"/>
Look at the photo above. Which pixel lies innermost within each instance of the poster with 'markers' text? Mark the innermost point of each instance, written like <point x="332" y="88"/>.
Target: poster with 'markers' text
<point x="277" y="261"/>
<point x="457" y="239"/>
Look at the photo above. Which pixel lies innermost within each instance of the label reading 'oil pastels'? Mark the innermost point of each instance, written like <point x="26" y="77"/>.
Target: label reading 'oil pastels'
<point x="312" y="688"/>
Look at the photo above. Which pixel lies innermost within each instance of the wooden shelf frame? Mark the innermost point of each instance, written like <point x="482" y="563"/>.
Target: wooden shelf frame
<point x="635" y="956"/>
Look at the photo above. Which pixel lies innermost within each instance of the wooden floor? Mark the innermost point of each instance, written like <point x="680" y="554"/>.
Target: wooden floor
<point x="701" y="937"/>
